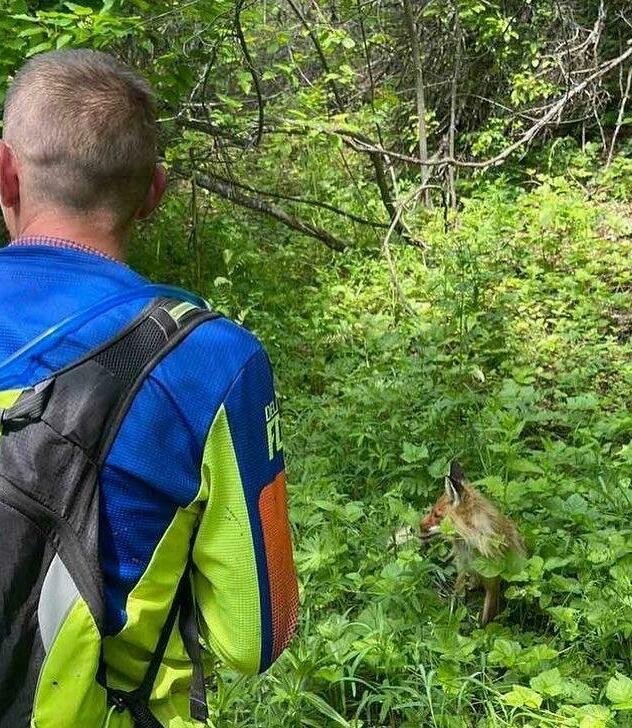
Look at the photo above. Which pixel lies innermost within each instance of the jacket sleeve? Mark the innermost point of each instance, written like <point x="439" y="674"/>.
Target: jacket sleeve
<point x="244" y="575"/>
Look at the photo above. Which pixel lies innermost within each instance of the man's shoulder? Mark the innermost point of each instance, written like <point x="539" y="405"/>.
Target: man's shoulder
<point x="223" y="342"/>
<point x="205" y="365"/>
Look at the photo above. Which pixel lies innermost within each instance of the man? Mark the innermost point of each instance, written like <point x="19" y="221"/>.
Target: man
<point x="198" y="452"/>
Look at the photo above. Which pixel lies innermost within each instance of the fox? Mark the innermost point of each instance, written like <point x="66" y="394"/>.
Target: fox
<point x="479" y="529"/>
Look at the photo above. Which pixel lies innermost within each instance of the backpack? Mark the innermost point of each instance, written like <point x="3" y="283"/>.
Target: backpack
<point x="54" y="439"/>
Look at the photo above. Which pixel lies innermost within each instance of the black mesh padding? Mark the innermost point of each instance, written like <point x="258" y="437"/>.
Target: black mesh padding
<point x="127" y="357"/>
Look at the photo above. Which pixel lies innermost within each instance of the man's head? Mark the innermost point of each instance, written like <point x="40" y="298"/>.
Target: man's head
<point x="79" y="140"/>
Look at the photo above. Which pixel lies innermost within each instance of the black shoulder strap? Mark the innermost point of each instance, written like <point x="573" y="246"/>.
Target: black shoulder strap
<point x="131" y="357"/>
<point x="139" y="348"/>
<point x="128" y="358"/>
<point x="137" y="701"/>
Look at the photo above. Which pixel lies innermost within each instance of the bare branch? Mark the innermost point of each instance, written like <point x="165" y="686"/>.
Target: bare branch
<point x="232" y="194"/>
<point x="619" y="124"/>
<point x="251" y="67"/>
<point x="420" y="94"/>
<point x="300" y="201"/>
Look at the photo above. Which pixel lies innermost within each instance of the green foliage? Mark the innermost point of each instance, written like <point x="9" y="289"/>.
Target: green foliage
<point x="56" y="26"/>
<point x="516" y="361"/>
<point x="515" y="358"/>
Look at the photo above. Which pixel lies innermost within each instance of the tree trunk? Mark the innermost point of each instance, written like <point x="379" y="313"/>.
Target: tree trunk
<point x="420" y="93"/>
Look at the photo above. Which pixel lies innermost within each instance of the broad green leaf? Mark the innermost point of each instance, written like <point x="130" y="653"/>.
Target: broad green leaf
<point x="40" y="48"/>
<point x="414" y="453"/>
<point x="79" y="9"/>
<point x="594" y="721"/>
<point x="27" y="18"/>
<point x="556" y="562"/>
<point x="523" y="697"/>
<point x="594" y="716"/>
<point x="504" y="653"/>
<point x="31" y="32"/>
<point x="532" y="659"/>
<point x="488" y="568"/>
<point x="438" y="468"/>
<point x="577" y="692"/>
<point x="619" y="692"/>
<point x="549" y="683"/>
<point x="63" y="40"/>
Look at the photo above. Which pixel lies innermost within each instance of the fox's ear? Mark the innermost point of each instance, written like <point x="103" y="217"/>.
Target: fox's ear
<point x="457" y="476"/>
<point x="454" y="483"/>
<point x="454" y="496"/>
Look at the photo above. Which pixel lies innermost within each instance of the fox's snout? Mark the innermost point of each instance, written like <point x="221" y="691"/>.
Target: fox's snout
<point x="429" y="527"/>
<point x="430" y="524"/>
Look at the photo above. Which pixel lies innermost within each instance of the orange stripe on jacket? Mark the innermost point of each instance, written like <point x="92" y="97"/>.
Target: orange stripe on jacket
<point x="281" y="574"/>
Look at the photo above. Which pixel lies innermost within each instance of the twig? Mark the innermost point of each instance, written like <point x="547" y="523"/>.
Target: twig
<point x="619" y="124"/>
<point x="252" y="68"/>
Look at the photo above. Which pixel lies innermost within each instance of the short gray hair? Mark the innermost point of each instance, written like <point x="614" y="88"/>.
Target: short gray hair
<point x="85" y="125"/>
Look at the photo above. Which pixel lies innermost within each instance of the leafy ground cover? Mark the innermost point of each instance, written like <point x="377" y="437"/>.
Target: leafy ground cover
<point x="509" y="347"/>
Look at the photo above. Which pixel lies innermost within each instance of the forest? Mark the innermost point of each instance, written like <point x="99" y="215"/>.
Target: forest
<point x="423" y="209"/>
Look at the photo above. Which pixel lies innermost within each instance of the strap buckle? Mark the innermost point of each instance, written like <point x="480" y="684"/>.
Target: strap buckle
<point x="29" y="407"/>
<point x="117" y="699"/>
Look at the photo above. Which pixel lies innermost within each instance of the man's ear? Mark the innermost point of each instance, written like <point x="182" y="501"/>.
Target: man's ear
<point x="9" y="177"/>
<point x="154" y="193"/>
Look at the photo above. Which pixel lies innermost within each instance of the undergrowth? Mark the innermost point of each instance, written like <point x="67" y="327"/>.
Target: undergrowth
<point x="511" y="352"/>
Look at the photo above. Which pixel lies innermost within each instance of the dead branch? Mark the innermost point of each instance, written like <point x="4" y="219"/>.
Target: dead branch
<point x="299" y="200"/>
<point x="232" y="194"/>
<point x="620" y="116"/>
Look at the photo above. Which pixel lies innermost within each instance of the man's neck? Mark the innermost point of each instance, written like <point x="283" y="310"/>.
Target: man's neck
<point x="89" y="234"/>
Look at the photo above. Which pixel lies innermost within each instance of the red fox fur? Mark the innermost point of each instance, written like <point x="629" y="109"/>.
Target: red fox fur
<point x="480" y="529"/>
